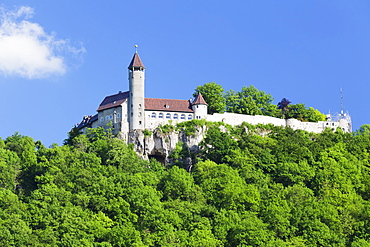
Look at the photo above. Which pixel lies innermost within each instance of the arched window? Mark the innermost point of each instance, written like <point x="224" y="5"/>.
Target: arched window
<point x="182" y="116"/>
<point x="102" y="119"/>
<point x="107" y="118"/>
<point x="160" y="115"/>
<point x="168" y="116"/>
<point x="175" y="116"/>
<point x="154" y="115"/>
<point x="190" y="117"/>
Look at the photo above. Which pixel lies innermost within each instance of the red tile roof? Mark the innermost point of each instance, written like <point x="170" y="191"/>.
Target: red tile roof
<point x="199" y="100"/>
<point x="136" y="62"/>
<point x="150" y="103"/>
<point x="113" y="100"/>
<point x="168" y="105"/>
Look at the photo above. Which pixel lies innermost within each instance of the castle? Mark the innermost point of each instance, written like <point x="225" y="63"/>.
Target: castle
<point x="128" y="111"/>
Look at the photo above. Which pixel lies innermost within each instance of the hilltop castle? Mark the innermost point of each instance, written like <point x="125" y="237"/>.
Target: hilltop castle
<point x="130" y="110"/>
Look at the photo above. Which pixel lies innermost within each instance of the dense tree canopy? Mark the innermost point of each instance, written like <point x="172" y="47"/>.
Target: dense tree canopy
<point x="252" y="186"/>
<point x="250" y="101"/>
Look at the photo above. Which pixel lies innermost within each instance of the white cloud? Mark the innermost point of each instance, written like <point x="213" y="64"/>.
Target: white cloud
<point x="27" y="51"/>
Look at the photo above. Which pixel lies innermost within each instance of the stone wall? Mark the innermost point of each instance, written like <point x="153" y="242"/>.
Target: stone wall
<point x="237" y="119"/>
<point x="316" y="127"/>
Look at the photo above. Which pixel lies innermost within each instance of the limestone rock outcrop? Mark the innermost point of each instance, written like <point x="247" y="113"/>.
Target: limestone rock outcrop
<point x="160" y="145"/>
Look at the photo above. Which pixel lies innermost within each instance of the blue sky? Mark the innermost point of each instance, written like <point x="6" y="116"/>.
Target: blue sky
<point x="59" y="59"/>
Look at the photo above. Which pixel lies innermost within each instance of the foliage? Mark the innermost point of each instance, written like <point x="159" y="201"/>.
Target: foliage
<point x="166" y="128"/>
<point x="283" y="106"/>
<point x="213" y="95"/>
<point x="300" y="112"/>
<point x="217" y="145"/>
<point x="71" y="135"/>
<point x="190" y="127"/>
<point x="363" y="130"/>
<point x="147" y="132"/>
<point x="250" y="101"/>
<point x="253" y="186"/>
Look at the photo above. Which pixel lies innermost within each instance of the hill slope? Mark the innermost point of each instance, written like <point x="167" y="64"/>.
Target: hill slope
<point x="253" y="186"/>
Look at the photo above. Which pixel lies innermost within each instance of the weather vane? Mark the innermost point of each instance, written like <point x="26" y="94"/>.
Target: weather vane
<point x="136" y="46"/>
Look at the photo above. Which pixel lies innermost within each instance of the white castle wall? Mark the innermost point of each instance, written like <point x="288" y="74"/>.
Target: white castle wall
<point x="237" y="119"/>
<point x="117" y="116"/>
<point x="152" y="123"/>
<point x="316" y="127"/>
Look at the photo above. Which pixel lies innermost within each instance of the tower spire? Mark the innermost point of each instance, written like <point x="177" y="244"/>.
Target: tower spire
<point x="136" y="63"/>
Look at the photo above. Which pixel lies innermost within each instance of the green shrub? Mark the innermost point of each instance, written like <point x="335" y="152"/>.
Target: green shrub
<point x="147" y="132"/>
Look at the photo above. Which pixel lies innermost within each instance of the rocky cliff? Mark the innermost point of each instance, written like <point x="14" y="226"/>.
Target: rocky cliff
<point x="159" y="145"/>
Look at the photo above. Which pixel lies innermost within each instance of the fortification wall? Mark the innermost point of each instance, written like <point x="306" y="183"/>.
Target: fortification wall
<point x="316" y="127"/>
<point x="237" y="119"/>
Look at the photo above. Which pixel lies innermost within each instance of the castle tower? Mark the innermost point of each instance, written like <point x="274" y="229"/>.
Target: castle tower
<point x="136" y="97"/>
<point x="200" y="107"/>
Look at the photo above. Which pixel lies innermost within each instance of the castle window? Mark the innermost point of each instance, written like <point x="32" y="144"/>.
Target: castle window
<point x="139" y="114"/>
<point x="110" y="116"/>
<point x="118" y="115"/>
<point x="101" y="119"/>
<point x="107" y="118"/>
<point x="182" y="116"/>
<point x="154" y="115"/>
<point x="139" y="106"/>
<point x="139" y="122"/>
<point x="175" y="116"/>
<point x="190" y="117"/>
<point x="160" y="115"/>
<point x="168" y="115"/>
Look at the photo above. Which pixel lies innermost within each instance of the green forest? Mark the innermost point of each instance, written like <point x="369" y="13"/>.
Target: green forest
<point x="250" y="186"/>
